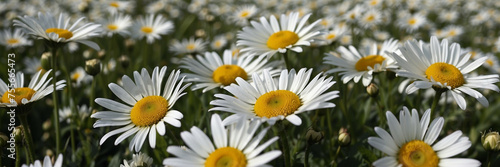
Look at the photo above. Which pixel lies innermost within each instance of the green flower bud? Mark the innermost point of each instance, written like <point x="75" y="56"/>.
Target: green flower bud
<point x="93" y="66"/>
<point x="491" y="141"/>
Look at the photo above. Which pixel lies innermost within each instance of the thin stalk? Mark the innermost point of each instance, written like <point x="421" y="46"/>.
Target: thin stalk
<point x="27" y="136"/>
<point x="92" y="93"/>
<point x="439" y="91"/>
<point x="18" y="155"/>
<point x="306" y="156"/>
<point x="284" y="143"/>
<point x="54" y="99"/>
<point x="380" y="111"/>
<point x="336" y="155"/>
<point x="287" y="63"/>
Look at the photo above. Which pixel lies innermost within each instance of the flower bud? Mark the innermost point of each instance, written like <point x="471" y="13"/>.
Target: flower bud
<point x="313" y="136"/>
<point x="124" y="61"/>
<point x="344" y="138"/>
<point x="45" y="60"/>
<point x="491" y="141"/>
<point x="47" y="125"/>
<point x="372" y="90"/>
<point x="93" y="66"/>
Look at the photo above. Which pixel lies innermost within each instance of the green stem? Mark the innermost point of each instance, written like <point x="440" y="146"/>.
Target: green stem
<point x="336" y="155"/>
<point x="284" y="143"/>
<point x="306" y="156"/>
<point x="437" y="96"/>
<point x="92" y="93"/>
<point x="380" y="111"/>
<point x="287" y="63"/>
<point x="54" y="99"/>
<point x="27" y="136"/>
<point x="18" y="155"/>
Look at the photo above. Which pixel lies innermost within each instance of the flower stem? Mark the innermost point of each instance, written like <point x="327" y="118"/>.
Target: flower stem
<point x="54" y="99"/>
<point x="27" y="136"/>
<point x="336" y="155"/>
<point x="18" y="156"/>
<point x="284" y="143"/>
<point x="306" y="156"/>
<point x="287" y="63"/>
<point x="439" y="91"/>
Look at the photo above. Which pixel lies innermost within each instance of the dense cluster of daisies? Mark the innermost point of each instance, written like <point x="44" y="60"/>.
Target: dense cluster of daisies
<point x="254" y="70"/>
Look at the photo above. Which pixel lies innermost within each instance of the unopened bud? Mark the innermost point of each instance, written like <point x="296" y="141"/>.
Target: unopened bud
<point x="93" y="67"/>
<point x="491" y="141"/>
<point x="101" y="54"/>
<point x="46" y="125"/>
<point x="18" y="133"/>
<point x="344" y="137"/>
<point x="124" y="61"/>
<point x="45" y="60"/>
<point x="313" y="136"/>
<point x="372" y="90"/>
<point x="49" y="153"/>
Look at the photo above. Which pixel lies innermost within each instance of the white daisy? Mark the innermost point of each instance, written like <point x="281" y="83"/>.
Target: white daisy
<point x="58" y="30"/>
<point x="79" y="76"/>
<point x="269" y="99"/>
<point x="146" y="108"/>
<point x="370" y="19"/>
<point x="218" y="42"/>
<point x="238" y="148"/>
<point x="443" y="67"/>
<point x="47" y="162"/>
<point x="243" y="14"/>
<point x="412" y="22"/>
<point x="66" y="113"/>
<point x="32" y="65"/>
<point x="118" y="24"/>
<point x="412" y="142"/>
<point x="210" y="71"/>
<point x="138" y="160"/>
<point x="151" y="27"/>
<point x="116" y="6"/>
<point x="14" y="39"/>
<point x="38" y="88"/>
<point x="353" y="64"/>
<point x="188" y="46"/>
<point x="267" y="38"/>
<point x="331" y="35"/>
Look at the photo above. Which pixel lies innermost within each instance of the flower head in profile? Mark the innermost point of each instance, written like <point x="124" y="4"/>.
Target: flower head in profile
<point x="190" y="45"/>
<point x="443" y="67"/>
<point x="15" y="39"/>
<point x="47" y="162"/>
<point x="151" y="27"/>
<point x="243" y="14"/>
<point x="59" y="30"/>
<point x="234" y="145"/>
<point x="211" y="71"/>
<point x="138" y="160"/>
<point x="269" y="37"/>
<point x="412" y="142"/>
<point x="117" y="24"/>
<point x="353" y="64"/>
<point x="19" y="94"/>
<point x="147" y="107"/>
<point x="276" y="99"/>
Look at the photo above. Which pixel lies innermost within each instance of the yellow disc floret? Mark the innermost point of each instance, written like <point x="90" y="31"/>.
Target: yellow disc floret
<point x="149" y="111"/>
<point x="147" y="29"/>
<point x="282" y="39"/>
<point x="63" y="33"/>
<point x="371" y="60"/>
<point x="17" y="95"/>
<point x="227" y="74"/>
<point x="275" y="103"/>
<point x="445" y="73"/>
<point x="226" y="157"/>
<point x="417" y="153"/>
<point x="12" y="41"/>
<point x="112" y="27"/>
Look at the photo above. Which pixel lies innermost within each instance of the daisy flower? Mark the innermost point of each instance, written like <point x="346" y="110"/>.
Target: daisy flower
<point x="412" y="142"/>
<point x="210" y="71"/>
<point x="370" y="19"/>
<point x="32" y="65"/>
<point x="66" y="113"/>
<point x="117" y="25"/>
<point x="412" y="22"/>
<point x="151" y="27"/>
<point x="14" y="39"/>
<point x="355" y="65"/>
<point x="79" y="76"/>
<point x="115" y="6"/>
<point x="331" y="35"/>
<point x="47" y="162"/>
<point x="243" y="14"/>
<point x="218" y="42"/>
<point x="188" y="46"/>
<point x="37" y="88"/>
<point x="59" y="30"/>
<point x="445" y="68"/>
<point x="139" y="159"/>
<point x="267" y="38"/>
<point x="146" y="107"/>
<point x="271" y="100"/>
<point x="238" y="148"/>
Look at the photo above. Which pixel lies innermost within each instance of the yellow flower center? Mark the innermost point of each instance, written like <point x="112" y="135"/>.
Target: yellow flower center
<point x="147" y="29"/>
<point x="226" y="157"/>
<point x="227" y="74"/>
<point x="282" y="39"/>
<point x="417" y="153"/>
<point x="330" y="36"/>
<point x="244" y="14"/>
<point x="412" y="21"/>
<point x="63" y="33"/>
<point x="445" y="73"/>
<point x="371" y="60"/>
<point x="112" y="27"/>
<point x="12" y="41"/>
<point x="323" y="22"/>
<point x="370" y="18"/>
<point x="149" y="110"/>
<point x="218" y="43"/>
<point x="114" y="4"/>
<point x="489" y="62"/>
<point x="17" y="95"/>
<point x="275" y="103"/>
<point x="190" y="47"/>
<point x="75" y="76"/>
